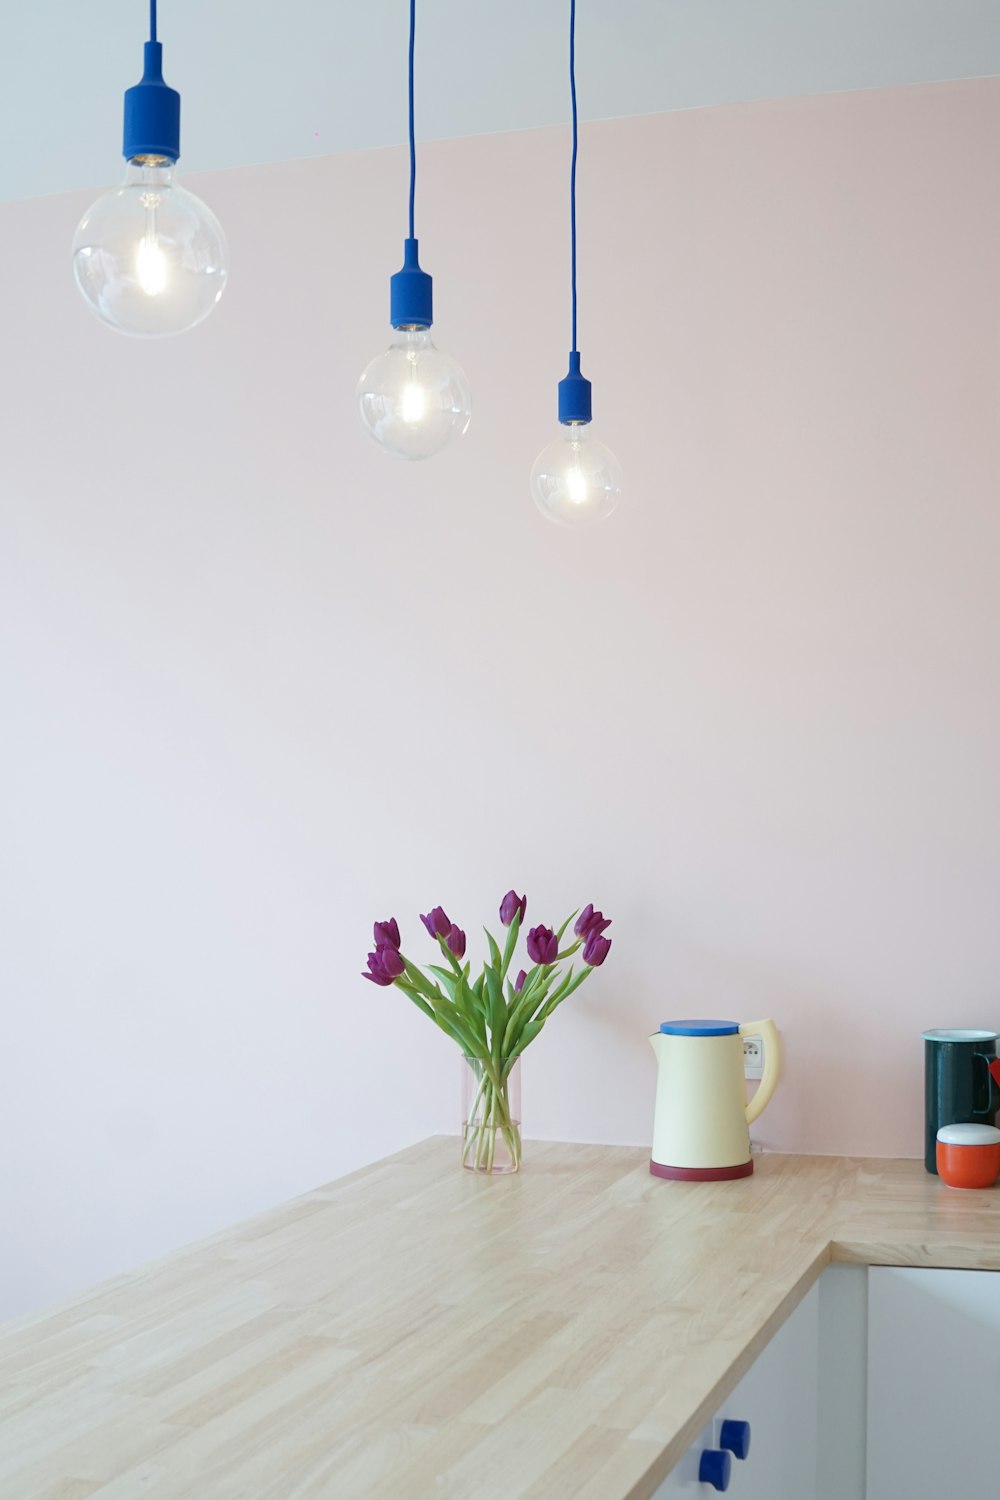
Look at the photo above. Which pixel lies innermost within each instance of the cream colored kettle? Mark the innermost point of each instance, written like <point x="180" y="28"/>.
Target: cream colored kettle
<point x="700" y="1126"/>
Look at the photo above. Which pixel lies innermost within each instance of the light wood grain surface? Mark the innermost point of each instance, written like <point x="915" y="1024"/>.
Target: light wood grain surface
<point x="418" y="1333"/>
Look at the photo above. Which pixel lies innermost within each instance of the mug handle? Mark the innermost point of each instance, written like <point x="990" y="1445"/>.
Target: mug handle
<point x="992" y="1083"/>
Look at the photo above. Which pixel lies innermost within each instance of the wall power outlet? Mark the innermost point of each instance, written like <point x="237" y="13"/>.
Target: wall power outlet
<point x="753" y="1057"/>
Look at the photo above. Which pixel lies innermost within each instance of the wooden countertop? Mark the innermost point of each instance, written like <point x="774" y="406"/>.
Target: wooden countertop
<point x="418" y="1333"/>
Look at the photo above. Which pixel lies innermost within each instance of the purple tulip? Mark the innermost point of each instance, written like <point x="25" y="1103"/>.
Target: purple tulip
<point x="519" y="982"/>
<point x="511" y="904"/>
<point x="384" y="965"/>
<point x="590" y="921"/>
<point x="387" y="934"/>
<point x="596" y="950"/>
<point x="436" y="922"/>
<point x="456" y="941"/>
<point x="543" y="945"/>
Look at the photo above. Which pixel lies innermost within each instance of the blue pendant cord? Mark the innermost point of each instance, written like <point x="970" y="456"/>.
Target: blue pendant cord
<point x="411" y="297"/>
<point x="152" y="108"/>
<point x="575" y="405"/>
<point x="572" y="171"/>
<point x="413" y="148"/>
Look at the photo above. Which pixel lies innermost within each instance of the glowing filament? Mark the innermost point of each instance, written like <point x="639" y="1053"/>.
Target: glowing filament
<point x="577" y="486"/>
<point x="414" y="403"/>
<point x="151" y="268"/>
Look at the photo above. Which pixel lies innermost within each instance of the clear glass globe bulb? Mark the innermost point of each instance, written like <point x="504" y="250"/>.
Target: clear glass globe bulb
<point x="576" y="481"/>
<point x="149" y="257"/>
<point x="413" y="399"/>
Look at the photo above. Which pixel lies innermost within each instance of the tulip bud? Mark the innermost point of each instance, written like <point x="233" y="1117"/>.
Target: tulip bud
<point x="437" y="922"/>
<point x="590" y="921"/>
<point x="511" y="904"/>
<point x="385" y="965"/>
<point x="456" y="941"/>
<point x="392" y="961"/>
<point x="387" y="934"/>
<point x="596" y="950"/>
<point x="543" y="945"/>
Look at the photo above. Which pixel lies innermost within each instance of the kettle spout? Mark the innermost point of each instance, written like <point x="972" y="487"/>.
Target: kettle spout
<point x="656" y="1042"/>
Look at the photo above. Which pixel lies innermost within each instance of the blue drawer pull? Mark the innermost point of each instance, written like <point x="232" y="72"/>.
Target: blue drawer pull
<point x="715" y="1468"/>
<point x="736" y="1437"/>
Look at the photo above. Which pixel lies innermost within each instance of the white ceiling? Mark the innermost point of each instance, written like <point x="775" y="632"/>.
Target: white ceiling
<point x="265" y="81"/>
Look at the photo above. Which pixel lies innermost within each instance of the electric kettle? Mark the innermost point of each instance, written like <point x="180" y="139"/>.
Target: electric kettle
<point x="700" y="1128"/>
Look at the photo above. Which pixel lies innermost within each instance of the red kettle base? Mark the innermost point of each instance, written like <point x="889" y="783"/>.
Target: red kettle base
<point x="701" y="1174"/>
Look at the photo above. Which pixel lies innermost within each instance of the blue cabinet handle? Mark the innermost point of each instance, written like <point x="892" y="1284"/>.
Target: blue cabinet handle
<point x="736" y="1437"/>
<point x="715" y="1468"/>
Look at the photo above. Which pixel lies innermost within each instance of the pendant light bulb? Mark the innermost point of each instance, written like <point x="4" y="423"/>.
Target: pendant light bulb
<point x="149" y="257"/>
<point x="413" y="399"/>
<point x="576" y="481"/>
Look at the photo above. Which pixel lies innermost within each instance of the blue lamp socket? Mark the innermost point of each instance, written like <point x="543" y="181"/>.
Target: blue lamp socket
<point x="574" y="395"/>
<point x="411" y="301"/>
<point x="152" y="112"/>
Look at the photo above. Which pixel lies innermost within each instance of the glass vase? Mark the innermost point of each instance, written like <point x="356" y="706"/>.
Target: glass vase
<point x="491" y="1117"/>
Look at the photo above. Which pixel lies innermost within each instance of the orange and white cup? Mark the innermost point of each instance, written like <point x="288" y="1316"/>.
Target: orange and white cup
<point x="968" y="1156"/>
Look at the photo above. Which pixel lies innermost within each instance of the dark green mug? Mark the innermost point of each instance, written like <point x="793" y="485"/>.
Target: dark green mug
<point x="961" y="1086"/>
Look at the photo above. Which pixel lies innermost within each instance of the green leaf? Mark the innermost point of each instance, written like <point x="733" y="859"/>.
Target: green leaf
<point x="443" y="1021"/>
<point x="449" y="981"/>
<point x="527" y="1002"/>
<point x="456" y="966"/>
<point x="494" y="950"/>
<point x="417" y="999"/>
<point x="564" y="991"/>
<point x="496" y="1013"/>
<point x="561" y="988"/>
<point x="559" y="934"/>
<point x="511" y="943"/>
<point x="420" y="981"/>
<point x="528" y="1034"/>
<point x="471" y="1008"/>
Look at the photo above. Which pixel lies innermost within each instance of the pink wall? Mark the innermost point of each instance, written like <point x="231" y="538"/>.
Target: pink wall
<point x="261" y="685"/>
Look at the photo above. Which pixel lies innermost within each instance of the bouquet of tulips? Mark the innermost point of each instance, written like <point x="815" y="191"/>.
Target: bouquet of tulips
<point x="492" y="1018"/>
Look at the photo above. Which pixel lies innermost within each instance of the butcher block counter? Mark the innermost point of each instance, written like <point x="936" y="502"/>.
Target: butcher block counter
<point x="414" y="1332"/>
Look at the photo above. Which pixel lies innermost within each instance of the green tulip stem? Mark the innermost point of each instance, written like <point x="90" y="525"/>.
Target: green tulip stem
<point x="450" y="956"/>
<point x="489" y="1113"/>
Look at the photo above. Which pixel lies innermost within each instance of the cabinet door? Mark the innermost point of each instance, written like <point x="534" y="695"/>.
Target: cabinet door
<point x="933" y="1383"/>
<point x="778" y="1397"/>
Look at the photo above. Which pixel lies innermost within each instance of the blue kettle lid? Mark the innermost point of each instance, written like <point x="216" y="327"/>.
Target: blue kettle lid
<point x="699" y="1028"/>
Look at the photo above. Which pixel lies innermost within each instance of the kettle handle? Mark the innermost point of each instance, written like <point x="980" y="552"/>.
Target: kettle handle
<point x="768" y="1033"/>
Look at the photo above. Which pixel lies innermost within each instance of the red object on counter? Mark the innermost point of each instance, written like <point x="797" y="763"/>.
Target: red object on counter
<point x="968" y="1156"/>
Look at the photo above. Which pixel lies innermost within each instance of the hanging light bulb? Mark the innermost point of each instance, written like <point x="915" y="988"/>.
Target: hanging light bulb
<point x="149" y="257"/>
<point x="413" y="399"/>
<point x="575" y="480"/>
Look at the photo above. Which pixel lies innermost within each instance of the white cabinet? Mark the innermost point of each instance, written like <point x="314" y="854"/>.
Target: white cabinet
<point x="804" y="1398"/>
<point x="883" y="1384"/>
<point x="777" y="1396"/>
<point x="933" y="1384"/>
